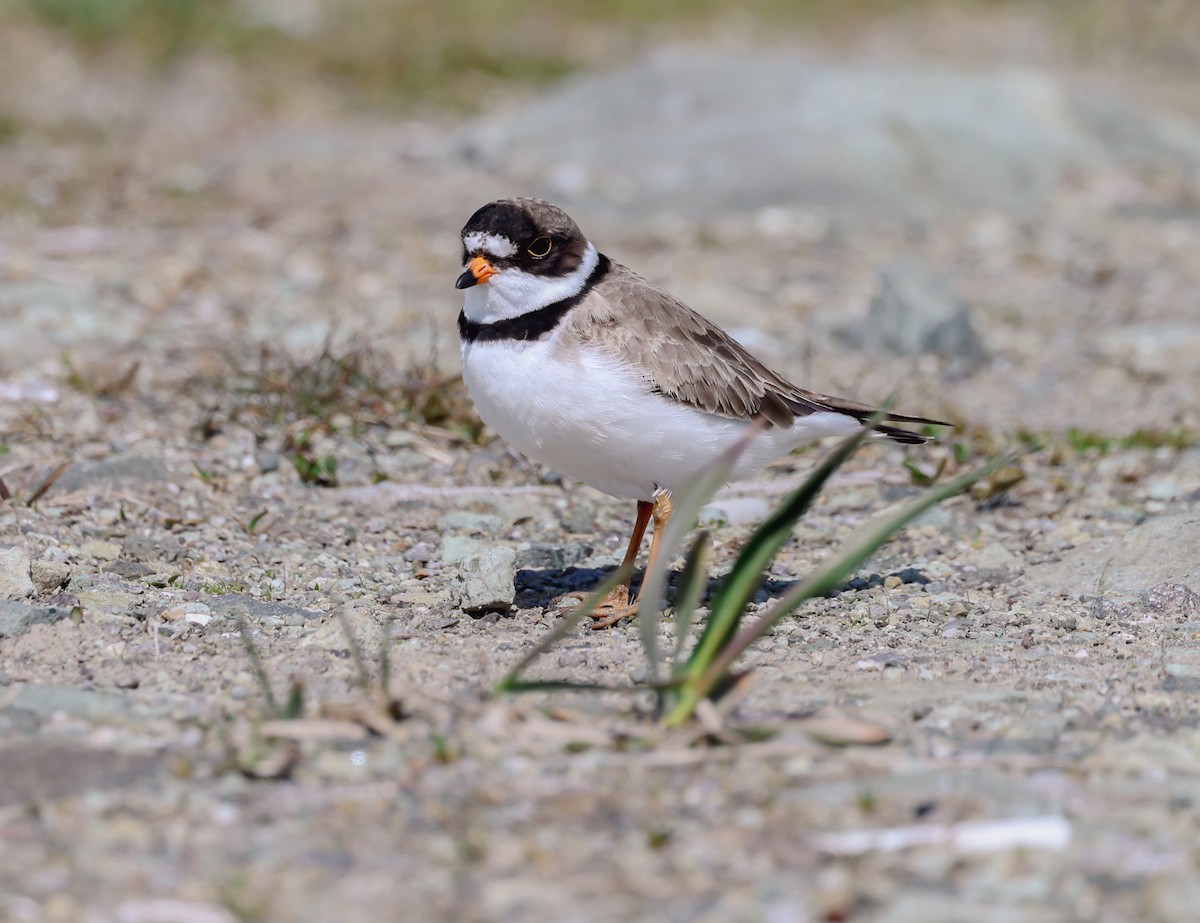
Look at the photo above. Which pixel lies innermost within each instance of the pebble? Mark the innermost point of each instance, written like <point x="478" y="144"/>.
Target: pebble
<point x="477" y="523"/>
<point x="541" y="556"/>
<point x="994" y="557"/>
<point x="917" y="311"/>
<point x="15" y="581"/>
<point x="108" y="598"/>
<point x="486" y="580"/>
<point x="365" y="628"/>
<point x="734" y="511"/>
<point x="420" y="553"/>
<point x="457" y="548"/>
<point x="1176" y="599"/>
<point x="573" y="657"/>
<point x="101" y="550"/>
<point x="17" y="617"/>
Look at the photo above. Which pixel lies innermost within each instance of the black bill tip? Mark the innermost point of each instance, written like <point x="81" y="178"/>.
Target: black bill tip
<point x="466" y="280"/>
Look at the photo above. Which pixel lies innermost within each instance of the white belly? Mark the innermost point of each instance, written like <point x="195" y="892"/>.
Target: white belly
<point x="580" y="412"/>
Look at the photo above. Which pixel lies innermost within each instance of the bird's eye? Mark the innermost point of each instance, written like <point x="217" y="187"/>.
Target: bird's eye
<point x="539" y="248"/>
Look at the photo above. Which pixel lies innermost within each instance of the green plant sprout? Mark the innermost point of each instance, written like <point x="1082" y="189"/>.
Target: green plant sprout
<point x="706" y="672"/>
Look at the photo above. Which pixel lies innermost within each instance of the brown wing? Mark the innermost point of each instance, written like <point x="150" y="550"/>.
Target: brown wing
<point x="688" y="358"/>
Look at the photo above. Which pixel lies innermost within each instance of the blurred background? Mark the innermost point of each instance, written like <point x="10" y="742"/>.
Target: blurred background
<point x="997" y="198"/>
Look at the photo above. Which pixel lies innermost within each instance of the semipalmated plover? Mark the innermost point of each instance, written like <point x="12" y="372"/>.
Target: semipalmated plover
<point x="583" y="365"/>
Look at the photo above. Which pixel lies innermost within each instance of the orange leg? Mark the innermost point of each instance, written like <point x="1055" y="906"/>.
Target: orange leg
<point x="617" y="606"/>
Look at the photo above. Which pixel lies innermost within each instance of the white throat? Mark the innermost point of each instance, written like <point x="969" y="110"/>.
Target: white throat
<point x="513" y="292"/>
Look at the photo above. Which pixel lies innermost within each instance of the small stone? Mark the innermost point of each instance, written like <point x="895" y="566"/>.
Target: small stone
<point x="579" y="521"/>
<point x="141" y="548"/>
<point x="892" y="582"/>
<point x="573" y="657"/>
<point x="487" y="580"/>
<point x="15" y="582"/>
<point x="994" y="557"/>
<point x="130" y="570"/>
<point x="109" y="598"/>
<point x="734" y="511"/>
<point x="541" y="556"/>
<point x="101" y="550"/>
<point x="1173" y="599"/>
<point x="914" y="312"/>
<point x="1064" y="622"/>
<point x="476" y="523"/>
<point x="955" y="628"/>
<point x="49" y="575"/>
<point x="420" y="553"/>
<point x="365" y="628"/>
<point x="457" y="548"/>
<point x="16" y="618"/>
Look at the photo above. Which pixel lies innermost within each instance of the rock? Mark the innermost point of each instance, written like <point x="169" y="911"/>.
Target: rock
<point x="703" y="135"/>
<point x="361" y="624"/>
<point x="915" y="312"/>
<point x="994" y="558"/>
<point x="48" y="699"/>
<point x="130" y="570"/>
<point x="229" y="604"/>
<point x="101" y="550"/>
<point x="455" y="548"/>
<point x="420" y="553"/>
<point x="734" y="511"/>
<point x="579" y="520"/>
<point x="573" y="657"/>
<point x="115" y="598"/>
<point x="487" y="580"/>
<point x="129" y="471"/>
<point x="1121" y="568"/>
<point x="196" y="613"/>
<point x="42" y="319"/>
<point x="544" y="556"/>
<point x="16" y="618"/>
<point x="1152" y="349"/>
<point x="15" y="580"/>
<point x="1171" y="599"/>
<point x="46" y="770"/>
<point x="141" y="548"/>
<point x="475" y="523"/>
<point x="49" y="575"/>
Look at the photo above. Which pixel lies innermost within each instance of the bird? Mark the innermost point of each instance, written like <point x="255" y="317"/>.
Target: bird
<point x="583" y="365"/>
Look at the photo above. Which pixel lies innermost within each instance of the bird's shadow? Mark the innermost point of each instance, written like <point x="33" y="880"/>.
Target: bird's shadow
<point x="538" y="588"/>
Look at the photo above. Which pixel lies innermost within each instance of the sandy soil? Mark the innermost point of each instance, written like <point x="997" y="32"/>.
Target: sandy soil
<point x="1039" y="703"/>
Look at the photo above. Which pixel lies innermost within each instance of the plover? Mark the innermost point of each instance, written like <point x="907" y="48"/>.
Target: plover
<point x="581" y="364"/>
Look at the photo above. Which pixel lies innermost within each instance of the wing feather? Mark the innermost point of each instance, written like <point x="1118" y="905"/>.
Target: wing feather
<point x="684" y="356"/>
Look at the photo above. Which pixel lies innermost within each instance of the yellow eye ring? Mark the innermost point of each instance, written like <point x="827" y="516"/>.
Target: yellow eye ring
<point x="540" y="247"/>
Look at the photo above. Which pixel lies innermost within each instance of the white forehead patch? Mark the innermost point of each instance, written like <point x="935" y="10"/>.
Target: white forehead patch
<point x="491" y="244"/>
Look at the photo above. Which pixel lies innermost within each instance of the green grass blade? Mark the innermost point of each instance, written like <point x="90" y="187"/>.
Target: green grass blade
<point x="686" y="510"/>
<point x="512" y="681"/>
<point x="750" y="568"/>
<point x="692" y="583"/>
<point x="828" y="576"/>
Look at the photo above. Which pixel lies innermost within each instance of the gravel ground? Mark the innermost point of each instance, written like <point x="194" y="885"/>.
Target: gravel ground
<point x="1030" y="658"/>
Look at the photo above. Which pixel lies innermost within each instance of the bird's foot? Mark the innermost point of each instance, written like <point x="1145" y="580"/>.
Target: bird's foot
<point x="612" y="609"/>
<point x="606" y="616"/>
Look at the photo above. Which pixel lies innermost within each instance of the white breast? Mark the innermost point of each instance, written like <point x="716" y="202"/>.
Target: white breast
<point x="582" y="412"/>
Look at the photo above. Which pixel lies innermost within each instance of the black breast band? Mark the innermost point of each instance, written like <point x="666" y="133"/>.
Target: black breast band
<point x="532" y="325"/>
